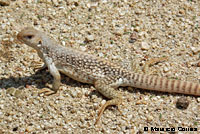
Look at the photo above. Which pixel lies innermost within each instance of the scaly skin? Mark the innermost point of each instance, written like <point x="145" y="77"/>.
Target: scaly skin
<point x="105" y="76"/>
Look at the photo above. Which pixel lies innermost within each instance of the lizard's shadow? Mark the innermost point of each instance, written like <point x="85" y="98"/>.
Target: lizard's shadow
<point x="38" y="79"/>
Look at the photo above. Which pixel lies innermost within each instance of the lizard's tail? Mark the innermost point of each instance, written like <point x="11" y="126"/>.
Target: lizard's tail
<point x="164" y="84"/>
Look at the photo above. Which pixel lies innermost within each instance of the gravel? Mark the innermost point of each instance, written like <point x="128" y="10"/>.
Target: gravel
<point x="125" y="32"/>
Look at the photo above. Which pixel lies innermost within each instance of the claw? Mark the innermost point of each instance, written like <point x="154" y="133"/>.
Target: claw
<point x="39" y="66"/>
<point x="47" y="92"/>
<point x="116" y="102"/>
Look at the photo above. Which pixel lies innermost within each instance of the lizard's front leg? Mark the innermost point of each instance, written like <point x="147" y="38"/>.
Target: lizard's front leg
<point x="109" y="92"/>
<point x="56" y="82"/>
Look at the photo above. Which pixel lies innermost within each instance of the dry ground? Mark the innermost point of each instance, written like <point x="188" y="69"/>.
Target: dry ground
<point x="126" y="32"/>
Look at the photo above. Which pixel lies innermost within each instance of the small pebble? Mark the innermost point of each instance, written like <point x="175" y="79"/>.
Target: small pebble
<point x="103" y="102"/>
<point x="165" y="69"/>
<point x="182" y="103"/>
<point x="195" y="50"/>
<point x="83" y="48"/>
<point x="29" y="129"/>
<point x="10" y="91"/>
<point x="133" y="37"/>
<point x="149" y="118"/>
<point x="90" y="38"/>
<point x="119" y="31"/>
<point x="74" y="94"/>
<point x="131" y="41"/>
<point x="4" y="2"/>
<point x="145" y="46"/>
<point x="55" y="2"/>
<point x="198" y="64"/>
<point x="18" y="93"/>
<point x="198" y="100"/>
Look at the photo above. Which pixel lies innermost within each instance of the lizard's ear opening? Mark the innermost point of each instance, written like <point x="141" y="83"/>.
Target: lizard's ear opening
<point x="40" y="42"/>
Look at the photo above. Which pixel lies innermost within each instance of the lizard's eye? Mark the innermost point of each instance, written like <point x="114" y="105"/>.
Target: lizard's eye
<point x="29" y="36"/>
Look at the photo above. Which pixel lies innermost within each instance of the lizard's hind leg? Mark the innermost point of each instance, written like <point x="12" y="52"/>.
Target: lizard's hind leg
<point x="109" y="92"/>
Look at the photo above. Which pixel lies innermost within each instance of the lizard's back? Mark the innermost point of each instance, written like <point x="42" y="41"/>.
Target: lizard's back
<point x="82" y="66"/>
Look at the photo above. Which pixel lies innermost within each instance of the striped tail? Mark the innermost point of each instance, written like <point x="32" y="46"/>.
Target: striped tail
<point x="164" y="84"/>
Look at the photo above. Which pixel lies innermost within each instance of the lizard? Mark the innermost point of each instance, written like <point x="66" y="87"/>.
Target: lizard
<point x="104" y="75"/>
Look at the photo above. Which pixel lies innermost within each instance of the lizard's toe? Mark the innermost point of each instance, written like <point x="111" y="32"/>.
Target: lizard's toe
<point x="47" y="92"/>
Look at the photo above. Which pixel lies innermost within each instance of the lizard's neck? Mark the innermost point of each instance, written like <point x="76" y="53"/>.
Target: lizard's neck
<point x="41" y="49"/>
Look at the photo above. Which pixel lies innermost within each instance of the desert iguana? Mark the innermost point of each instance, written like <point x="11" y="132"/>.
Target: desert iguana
<point x="104" y="75"/>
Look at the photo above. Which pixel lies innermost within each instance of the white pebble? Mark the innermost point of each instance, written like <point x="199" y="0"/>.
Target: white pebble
<point x="3" y="26"/>
<point x="74" y="94"/>
<point x="195" y="50"/>
<point x="63" y="43"/>
<point x="198" y="100"/>
<point x="55" y="2"/>
<point x="29" y="1"/>
<point x="90" y="37"/>
<point x="104" y="1"/>
<point x="165" y="69"/>
<point x="119" y="31"/>
<point x="101" y="54"/>
<point x="103" y="102"/>
<point x="83" y="48"/>
<point x="130" y="116"/>
<point x="145" y="46"/>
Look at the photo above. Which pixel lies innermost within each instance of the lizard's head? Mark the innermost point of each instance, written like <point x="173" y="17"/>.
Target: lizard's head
<point x="29" y="36"/>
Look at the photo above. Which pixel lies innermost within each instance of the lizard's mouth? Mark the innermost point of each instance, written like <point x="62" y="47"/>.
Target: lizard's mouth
<point x="19" y="37"/>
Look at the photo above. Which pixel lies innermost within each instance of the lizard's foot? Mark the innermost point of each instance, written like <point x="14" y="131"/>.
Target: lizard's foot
<point x="116" y="102"/>
<point x="47" y="92"/>
<point x="39" y="66"/>
<point x="151" y="62"/>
